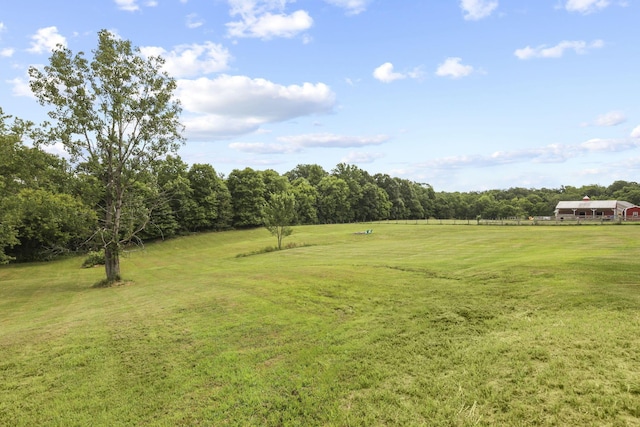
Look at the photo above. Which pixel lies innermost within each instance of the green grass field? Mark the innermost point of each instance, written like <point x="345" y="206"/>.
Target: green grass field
<point x="435" y="325"/>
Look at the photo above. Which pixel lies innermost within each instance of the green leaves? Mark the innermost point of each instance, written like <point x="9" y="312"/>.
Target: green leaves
<point x="50" y="223"/>
<point x="279" y="215"/>
<point x="115" y="114"/>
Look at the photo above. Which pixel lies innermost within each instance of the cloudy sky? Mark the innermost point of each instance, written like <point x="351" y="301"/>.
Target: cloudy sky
<point x="462" y="94"/>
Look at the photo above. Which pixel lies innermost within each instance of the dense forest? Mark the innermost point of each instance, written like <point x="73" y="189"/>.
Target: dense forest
<point x="49" y="208"/>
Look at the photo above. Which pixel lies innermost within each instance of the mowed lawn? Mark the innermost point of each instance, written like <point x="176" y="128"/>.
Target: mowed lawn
<point x="435" y="325"/>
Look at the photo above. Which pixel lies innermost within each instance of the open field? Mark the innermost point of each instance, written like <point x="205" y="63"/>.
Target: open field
<point x="411" y="325"/>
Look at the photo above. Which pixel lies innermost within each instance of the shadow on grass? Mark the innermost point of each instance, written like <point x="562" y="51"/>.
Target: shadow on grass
<point x="104" y="283"/>
<point x="269" y="249"/>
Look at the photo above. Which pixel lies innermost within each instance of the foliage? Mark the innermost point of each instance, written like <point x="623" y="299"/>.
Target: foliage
<point x="93" y="258"/>
<point x="50" y="224"/>
<point x="211" y="208"/>
<point x="8" y="228"/>
<point x="115" y="116"/>
<point x="248" y="195"/>
<point x="333" y="200"/>
<point x="312" y="173"/>
<point x="306" y="201"/>
<point x="279" y="215"/>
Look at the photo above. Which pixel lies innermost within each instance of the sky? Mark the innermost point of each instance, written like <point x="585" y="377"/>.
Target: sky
<point x="465" y="95"/>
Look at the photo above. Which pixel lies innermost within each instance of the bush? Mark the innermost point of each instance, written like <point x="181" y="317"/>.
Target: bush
<point x="93" y="258"/>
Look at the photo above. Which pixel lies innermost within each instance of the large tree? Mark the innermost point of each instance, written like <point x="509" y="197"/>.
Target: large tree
<point x="114" y="115"/>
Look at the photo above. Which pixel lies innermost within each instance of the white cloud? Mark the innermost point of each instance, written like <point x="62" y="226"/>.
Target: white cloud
<point x="46" y="39"/>
<point x="270" y="25"/>
<point x="610" y="145"/>
<point x="6" y="52"/>
<point x="132" y="5"/>
<point x="612" y="118"/>
<point x="191" y="60"/>
<point x="258" y="21"/>
<point x="475" y="10"/>
<point x="3" y="27"/>
<point x="333" y="140"/>
<point x="21" y="87"/>
<point x="552" y="153"/>
<point x="586" y="6"/>
<point x="542" y="51"/>
<point x="209" y="127"/>
<point x="57" y="149"/>
<point x="360" y="157"/>
<point x="235" y="105"/>
<point x="353" y="7"/>
<point x="385" y="73"/>
<point x="635" y="133"/>
<point x="262" y="148"/>
<point x="452" y="67"/>
<point x="128" y="5"/>
<point x="297" y="143"/>
<point x="193" y="21"/>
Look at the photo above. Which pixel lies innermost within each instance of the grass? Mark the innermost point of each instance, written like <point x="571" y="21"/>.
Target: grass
<point x="411" y="325"/>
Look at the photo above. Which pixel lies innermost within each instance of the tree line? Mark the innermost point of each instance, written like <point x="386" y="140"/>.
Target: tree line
<point x="49" y="208"/>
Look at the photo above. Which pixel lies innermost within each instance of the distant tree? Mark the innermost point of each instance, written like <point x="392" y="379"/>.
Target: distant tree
<point x="413" y="207"/>
<point x="356" y="180"/>
<point x="274" y="183"/>
<point x="486" y="207"/>
<point x="619" y="185"/>
<point x="247" y="191"/>
<point x="392" y="187"/>
<point x="508" y="209"/>
<point x="333" y="200"/>
<point x="571" y="193"/>
<point x="115" y="116"/>
<point x="50" y="224"/>
<point x="594" y="191"/>
<point x="426" y="196"/>
<point x="306" y="201"/>
<point x="9" y="141"/>
<point x="212" y="199"/>
<point x="374" y="204"/>
<point x="629" y="193"/>
<point x="279" y="215"/>
<point x="312" y="173"/>
<point x="445" y="205"/>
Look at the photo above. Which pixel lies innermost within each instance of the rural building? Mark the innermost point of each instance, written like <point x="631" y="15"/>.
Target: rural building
<point x="588" y="209"/>
<point x="632" y="213"/>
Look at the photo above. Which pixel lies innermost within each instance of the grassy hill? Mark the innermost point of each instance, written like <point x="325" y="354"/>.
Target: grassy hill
<point x="411" y="325"/>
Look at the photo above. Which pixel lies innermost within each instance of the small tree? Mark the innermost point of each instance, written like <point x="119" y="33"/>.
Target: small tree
<point x="115" y="116"/>
<point x="279" y="214"/>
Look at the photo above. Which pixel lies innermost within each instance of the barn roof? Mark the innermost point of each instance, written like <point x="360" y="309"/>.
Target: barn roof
<point x="594" y="204"/>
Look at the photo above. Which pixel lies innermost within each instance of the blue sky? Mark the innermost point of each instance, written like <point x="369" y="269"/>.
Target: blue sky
<point x="462" y="94"/>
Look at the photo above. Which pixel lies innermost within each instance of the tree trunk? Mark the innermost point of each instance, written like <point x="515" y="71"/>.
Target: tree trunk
<point x="112" y="263"/>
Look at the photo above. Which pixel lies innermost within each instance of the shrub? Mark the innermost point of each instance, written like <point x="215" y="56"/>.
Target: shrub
<point x="93" y="258"/>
